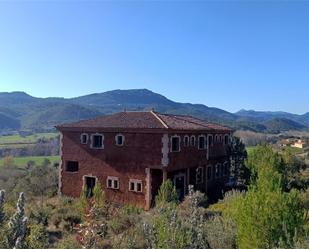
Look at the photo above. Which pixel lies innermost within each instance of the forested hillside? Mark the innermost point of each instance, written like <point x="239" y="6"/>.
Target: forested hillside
<point x="20" y="111"/>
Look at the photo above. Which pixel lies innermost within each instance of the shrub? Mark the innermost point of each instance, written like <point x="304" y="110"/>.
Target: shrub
<point x="266" y="214"/>
<point x="220" y="233"/>
<point x="37" y="238"/>
<point x="8" y="162"/>
<point x="68" y="243"/>
<point x="98" y="196"/>
<point x="167" y="193"/>
<point x="167" y="231"/>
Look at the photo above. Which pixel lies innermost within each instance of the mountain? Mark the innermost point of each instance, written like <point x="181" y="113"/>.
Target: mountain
<point x="277" y="125"/>
<point x="7" y="122"/>
<point x="265" y="116"/>
<point x="19" y="110"/>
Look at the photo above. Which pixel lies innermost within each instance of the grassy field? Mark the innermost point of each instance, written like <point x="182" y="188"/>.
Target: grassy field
<point x="250" y="148"/>
<point x="22" y="161"/>
<point x="17" y="139"/>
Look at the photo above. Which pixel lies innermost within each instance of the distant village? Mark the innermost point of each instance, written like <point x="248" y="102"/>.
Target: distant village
<point x="294" y="142"/>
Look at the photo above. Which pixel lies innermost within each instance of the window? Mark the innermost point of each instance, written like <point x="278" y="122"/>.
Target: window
<point x="84" y="138"/>
<point x="192" y="141"/>
<point x="225" y="168"/>
<point x="221" y="170"/>
<point x="112" y="182"/>
<point x="175" y="144"/>
<point x="186" y="141"/>
<point x="135" y="185"/>
<point x="217" y="138"/>
<point x="201" y="142"/>
<point x="199" y="175"/>
<point x="220" y="138"/>
<point x="71" y="166"/>
<point x="119" y="140"/>
<point x="226" y="139"/>
<point x="210" y="140"/>
<point x="217" y="170"/>
<point x="97" y="141"/>
<point x="209" y="176"/>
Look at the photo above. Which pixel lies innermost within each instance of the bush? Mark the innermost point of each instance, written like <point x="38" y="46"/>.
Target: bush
<point x="266" y="214"/>
<point x="167" y="193"/>
<point x="220" y="233"/>
<point x="37" y="238"/>
<point x="68" y="243"/>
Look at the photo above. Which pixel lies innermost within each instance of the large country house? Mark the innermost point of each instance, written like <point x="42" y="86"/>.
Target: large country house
<point x="132" y="153"/>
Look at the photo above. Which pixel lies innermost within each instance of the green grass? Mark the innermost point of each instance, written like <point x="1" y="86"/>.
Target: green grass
<point x="16" y="139"/>
<point x="22" y="161"/>
<point x="250" y="148"/>
<point x="294" y="150"/>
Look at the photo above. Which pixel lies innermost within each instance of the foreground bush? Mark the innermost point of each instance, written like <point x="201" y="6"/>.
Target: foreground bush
<point x="266" y="215"/>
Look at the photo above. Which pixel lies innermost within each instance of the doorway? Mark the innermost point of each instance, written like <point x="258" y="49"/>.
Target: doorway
<point x="180" y="185"/>
<point x="89" y="185"/>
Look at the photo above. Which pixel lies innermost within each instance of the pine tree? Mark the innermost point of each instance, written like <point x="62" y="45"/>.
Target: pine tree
<point x="238" y="155"/>
<point x="167" y="193"/>
<point x="266" y="213"/>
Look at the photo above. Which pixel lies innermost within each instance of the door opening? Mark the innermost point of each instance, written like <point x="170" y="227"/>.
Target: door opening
<point x="180" y="185"/>
<point x="89" y="184"/>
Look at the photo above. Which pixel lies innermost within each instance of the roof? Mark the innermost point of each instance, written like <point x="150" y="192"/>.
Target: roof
<point x="145" y="120"/>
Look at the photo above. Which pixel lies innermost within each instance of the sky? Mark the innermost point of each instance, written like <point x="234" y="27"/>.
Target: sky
<point x="227" y="54"/>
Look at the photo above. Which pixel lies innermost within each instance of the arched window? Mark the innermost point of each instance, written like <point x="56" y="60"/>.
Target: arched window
<point x="225" y="168"/>
<point x="209" y="172"/>
<point x="199" y="175"/>
<point x="119" y="138"/>
<point x="217" y="170"/>
<point x="97" y="141"/>
<point x="201" y="142"/>
<point x="186" y="140"/>
<point x="84" y="138"/>
<point x="175" y="143"/>
<point x="226" y="139"/>
<point x="192" y="140"/>
<point x="210" y="140"/>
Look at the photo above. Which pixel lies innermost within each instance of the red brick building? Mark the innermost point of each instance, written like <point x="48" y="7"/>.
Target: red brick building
<point x="131" y="153"/>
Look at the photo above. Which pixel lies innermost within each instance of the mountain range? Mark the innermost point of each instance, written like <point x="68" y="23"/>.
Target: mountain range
<point x="20" y="111"/>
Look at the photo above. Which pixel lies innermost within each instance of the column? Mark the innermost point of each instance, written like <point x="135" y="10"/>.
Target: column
<point x="148" y="196"/>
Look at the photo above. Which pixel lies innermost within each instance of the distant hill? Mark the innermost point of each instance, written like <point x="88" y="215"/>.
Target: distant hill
<point x="277" y="125"/>
<point x="7" y="122"/>
<point x="18" y="110"/>
<point x="265" y="116"/>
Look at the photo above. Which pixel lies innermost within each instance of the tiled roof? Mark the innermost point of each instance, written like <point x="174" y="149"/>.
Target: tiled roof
<point x="145" y="120"/>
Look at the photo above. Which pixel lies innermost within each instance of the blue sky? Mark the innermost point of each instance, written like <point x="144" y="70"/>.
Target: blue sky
<point x="231" y="55"/>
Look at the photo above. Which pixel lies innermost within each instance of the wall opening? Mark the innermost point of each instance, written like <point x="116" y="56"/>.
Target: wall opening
<point x="89" y="184"/>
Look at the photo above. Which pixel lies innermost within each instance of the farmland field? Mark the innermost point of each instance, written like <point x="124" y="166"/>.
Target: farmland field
<point x="17" y="139"/>
<point x="22" y="161"/>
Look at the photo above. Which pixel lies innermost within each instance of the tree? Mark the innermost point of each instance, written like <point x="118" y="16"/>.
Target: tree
<point x="46" y="162"/>
<point x="238" y="155"/>
<point x="167" y="193"/>
<point x="98" y="196"/>
<point x="286" y="164"/>
<point x="266" y="214"/>
<point x="40" y="181"/>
